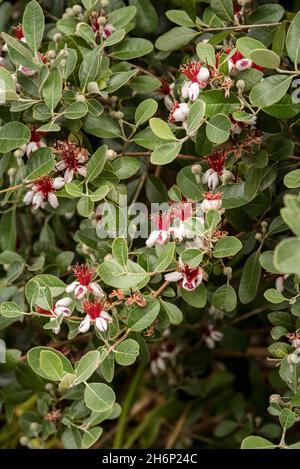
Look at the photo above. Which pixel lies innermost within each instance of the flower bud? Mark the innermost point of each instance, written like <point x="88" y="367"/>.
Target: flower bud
<point x="49" y="387"/>
<point x="77" y="9"/>
<point x="57" y="37"/>
<point x="114" y="98"/>
<point x="119" y="115"/>
<point x="80" y="97"/>
<point x="19" y="153"/>
<point x="196" y="169"/>
<point x="34" y="426"/>
<point x="102" y="20"/>
<point x="92" y="87"/>
<point x="51" y="54"/>
<point x="111" y="154"/>
<point x="104" y="3"/>
<point x="240" y="84"/>
<point x="108" y="257"/>
<point x="258" y="236"/>
<point x="24" y="441"/>
<point x="275" y="398"/>
<point x="227" y="271"/>
<point x="11" y="172"/>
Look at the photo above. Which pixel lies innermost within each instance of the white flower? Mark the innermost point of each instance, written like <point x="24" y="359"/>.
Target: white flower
<point x="212" y="336"/>
<point x="279" y="283"/>
<point x="26" y="71"/>
<point x="33" y="146"/>
<point x="84" y="283"/>
<point x="157" y="237"/>
<point x="179" y="112"/>
<point x="243" y="64"/>
<point x="211" y="178"/>
<point x="61" y="307"/>
<point x="197" y="75"/>
<point x="211" y="201"/>
<point x="95" y="315"/>
<point x="43" y="191"/>
<point x="188" y="278"/>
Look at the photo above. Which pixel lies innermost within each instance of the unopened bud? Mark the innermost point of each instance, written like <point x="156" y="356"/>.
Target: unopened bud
<point x="111" y="154"/>
<point x="69" y="11"/>
<point x="108" y="257"/>
<point x="49" y="387"/>
<point x="51" y="54"/>
<point x="80" y="97"/>
<point x="196" y="169"/>
<point x="101" y="20"/>
<point x="119" y="115"/>
<point x="11" y="172"/>
<point x="24" y="441"/>
<point x="92" y="87"/>
<point x="57" y="37"/>
<point x="77" y="9"/>
<point x="240" y="84"/>
<point x="19" y="153"/>
<point x="258" y="236"/>
<point x="4" y="48"/>
<point x="227" y="271"/>
<point x="275" y="398"/>
<point x="34" y="426"/>
<point x="104" y="3"/>
<point x="114" y="98"/>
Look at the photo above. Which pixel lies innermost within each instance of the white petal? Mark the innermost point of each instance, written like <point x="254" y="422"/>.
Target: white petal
<point x="203" y="74"/>
<point x="97" y="290"/>
<point x="85" y="324"/>
<point x="243" y="64"/>
<point x="185" y="89"/>
<point x="53" y="200"/>
<point x="68" y="176"/>
<point x="101" y="324"/>
<point x="194" y="91"/>
<point x="58" y="183"/>
<point x="105" y="315"/>
<point x="213" y="181"/>
<point x="28" y="197"/>
<point x="37" y="200"/>
<point x="173" y="276"/>
<point x="62" y="310"/>
<point x="64" y="302"/>
<point x="80" y="291"/>
<point x="70" y="288"/>
<point x="152" y="238"/>
<point x="168" y="102"/>
<point x="82" y="171"/>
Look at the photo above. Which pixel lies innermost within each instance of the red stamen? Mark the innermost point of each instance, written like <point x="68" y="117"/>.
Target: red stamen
<point x="93" y="309"/>
<point x="84" y="274"/>
<point x="44" y="185"/>
<point x="191" y="70"/>
<point x="211" y="196"/>
<point x="216" y="160"/>
<point x="18" y="31"/>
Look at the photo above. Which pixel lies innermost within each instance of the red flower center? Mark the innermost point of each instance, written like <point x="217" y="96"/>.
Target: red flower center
<point x="35" y="136"/>
<point x="93" y="309"/>
<point x="216" y="160"/>
<point x="84" y="274"/>
<point x="69" y="154"/>
<point x="18" y="31"/>
<point x="211" y="196"/>
<point x="44" y="185"/>
<point x="40" y="310"/>
<point x="191" y="70"/>
<point x="190" y="273"/>
<point x="165" y="87"/>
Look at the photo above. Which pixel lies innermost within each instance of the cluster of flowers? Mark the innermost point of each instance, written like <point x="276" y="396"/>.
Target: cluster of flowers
<point x="82" y="288"/>
<point x="72" y="160"/>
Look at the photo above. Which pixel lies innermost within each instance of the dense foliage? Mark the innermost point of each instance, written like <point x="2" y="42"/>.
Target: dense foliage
<point x="149" y="224"/>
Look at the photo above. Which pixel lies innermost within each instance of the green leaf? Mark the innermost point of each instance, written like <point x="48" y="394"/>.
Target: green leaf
<point x="217" y="103"/>
<point x="293" y="40"/>
<point x="113" y="274"/>
<point x="180" y="17"/>
<point x="114" y="38"/>
<point x="250" y="278"/>
<point x="274" y="296"/>
<point x="13" y="135"/>
<point x="144" y="84"/>
<point x="176" y="38"/>
<point x="146" y="17"/>
<point x="165" y="258"/>
<point x="52" y="89"/>
<point x="90" y="67"/>
<point x="90" y="437"/>
<point x="196" y="298"/>
<point x="144" y="111"/>
<point x="195" y="117"/>
<point x="76" y="110"/>
<point x="102" y="127"/>
<point x="20" y="54"/>
<point x="125" y="167"/>
<point x="174" y="314"/>
<point x="224" y="298"/>
<point x="34" y="360"/>
<point x="291" y="213"/>
<point x="126" y="352"/>
<point x="165" y="153"/>
<point x="11" y="310"/>
<point x="120" y="251"/>
<point x="279" y="39"/>
<point x="292" y="179"/>
<point x="7" y="86"/>
<point x="33" y="25"/>
<point x="265" y="58"/>
<point x="131" y="48"/>
<point x="140" y="318"/>
<point x="287" y="256"/>
<point x="41" y="162"/>
<point x="51" y="365"/>
<point x="248" y="44"/>
<point x="217" y="128"/>
<point x="287" y="418"/>
<point x="87" y="365"/>
<point x="99" y="397"/>
<point x="270" y="90"/>
<point x="96" y="163"/>
<point x="192" y="257"/>
<point x="119" y="79"/>
<point x="161" y="129"/>
<point x="121" y="17"/>
<point x="256" y="442"/>
<point x="226" y="247"/>
<point x="223" y="8"/>
<point x="85" y="206"/>
<point x="206" y="53"/>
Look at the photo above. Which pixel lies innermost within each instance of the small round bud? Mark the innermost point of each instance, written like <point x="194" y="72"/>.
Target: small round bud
<point x="112" y="114"/>
<point x="57" y="37"/>
<point x="292" y="301"/>
<point x="51" y="54"/>
<point x="275" y="398"/>
<point x="258" y="236"/>
<point x="92" y="87"/>
<point x="264" y="226"/>
<point x="293" y="358"/>
<point x="196" y="169"/>
<point x="6" y="267"/>
<point x="101" y="20"/>
<point x="49" y="387"/>
<point x="80" y="97"/>
<point x="77" y="9"/>
<point x="119" y="115"/>
<point x="11" y="172"/>
<point x="227" y="271"/>
<point x="34" y="426"/>
<point x="104" y="3"/>
<point x="108" y="257"/>
<point x="114" y="98"/>
<point x="24" y="441"/>
<point x="19" y="153"/>
<point x="111" y="154"/>
<point x="69" y="11"/>
<point x="240" y="84"/>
